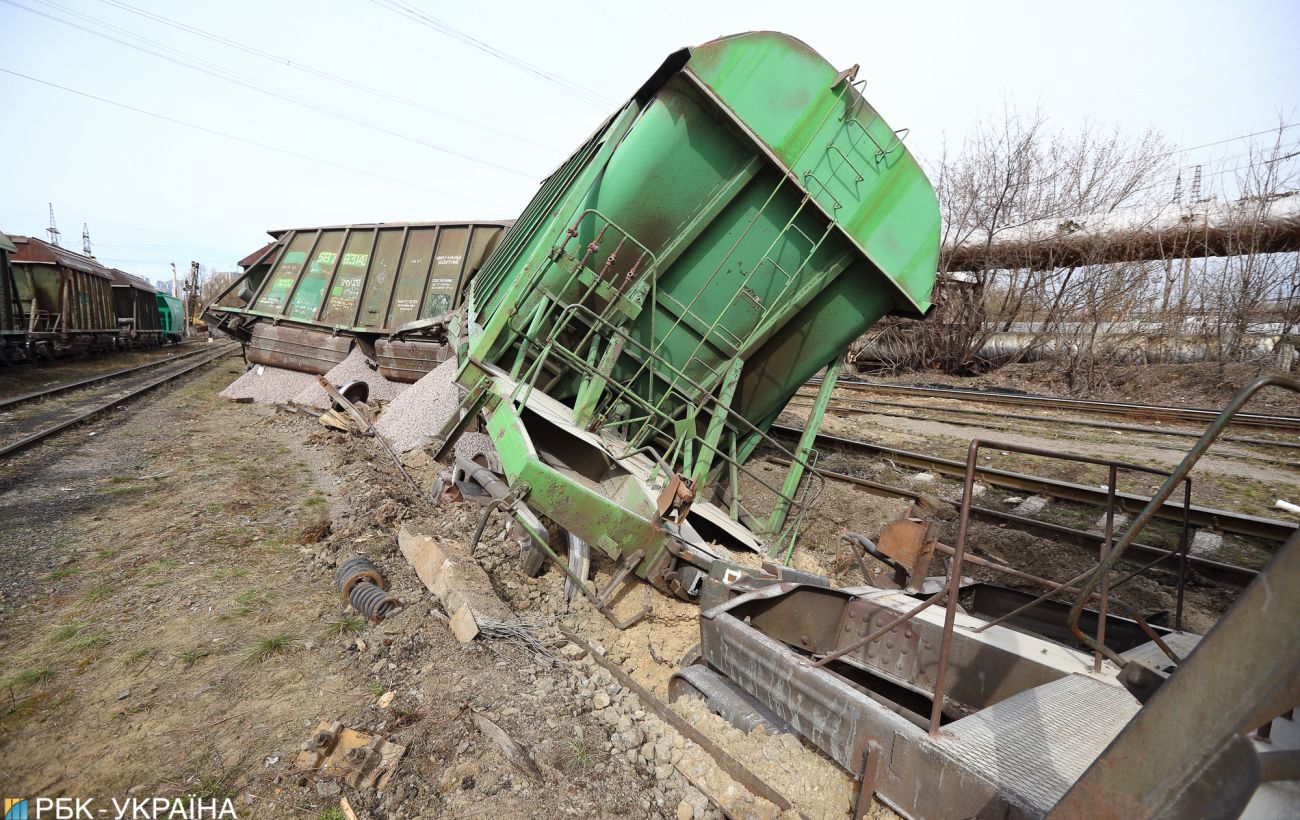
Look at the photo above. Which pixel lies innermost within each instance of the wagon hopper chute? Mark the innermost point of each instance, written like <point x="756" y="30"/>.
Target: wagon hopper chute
<point x="720" y="239"/>
<point x="308" y="297"/>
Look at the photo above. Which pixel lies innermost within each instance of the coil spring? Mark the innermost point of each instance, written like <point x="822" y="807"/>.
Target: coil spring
<point x="373" y="602"/>
<point x="355" y="570"/>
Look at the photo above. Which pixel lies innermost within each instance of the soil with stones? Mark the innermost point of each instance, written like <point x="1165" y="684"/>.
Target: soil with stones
<point x="170" y="627"/>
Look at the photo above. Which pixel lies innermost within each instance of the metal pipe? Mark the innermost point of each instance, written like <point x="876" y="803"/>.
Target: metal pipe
<point x="1105" y="548"/>
<point x="954" y="584"/>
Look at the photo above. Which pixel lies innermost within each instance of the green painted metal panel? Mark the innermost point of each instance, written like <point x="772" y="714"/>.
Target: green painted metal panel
<point x="782" y="90"/>
<point x="345" y="292"/>
<point x="282" y="280"/>
<point x="416" y="262"/>
<point x="309" y="294"/>
<point x="384" y="265"/>
<point x="754" y="179"/>
<point x="171" y="313"/>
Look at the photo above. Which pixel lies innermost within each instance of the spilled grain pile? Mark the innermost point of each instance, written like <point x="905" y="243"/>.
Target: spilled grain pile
<point x="268" y="385"/>
<point x="356" y="367"/>
<point x="415" y="416"/>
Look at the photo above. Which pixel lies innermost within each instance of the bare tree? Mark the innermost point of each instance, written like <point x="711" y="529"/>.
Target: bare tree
<point x="1012" y="195"/>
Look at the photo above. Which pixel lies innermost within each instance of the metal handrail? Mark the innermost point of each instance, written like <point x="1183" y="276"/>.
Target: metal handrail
<point x="1212" y="432"/>
<point x="655" y="416"/>
<point x="949" y="594"/>
<point x="1113" y="466"/>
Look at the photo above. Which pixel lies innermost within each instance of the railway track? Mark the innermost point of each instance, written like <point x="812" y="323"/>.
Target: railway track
<point x="1199" y="415"/>
<point x="100" y="378"/>
<point x="1265" y="529"/>
<point x="18" y="434"/>
<point x="843" y="405"/>
<point x="1084" y="540"/>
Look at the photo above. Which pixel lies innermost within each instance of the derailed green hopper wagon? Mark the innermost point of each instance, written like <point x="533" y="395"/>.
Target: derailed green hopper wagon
<point x="718" y="241"/>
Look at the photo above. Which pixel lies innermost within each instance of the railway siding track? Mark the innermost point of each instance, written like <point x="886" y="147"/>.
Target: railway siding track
<point x="90" y="381"/>
<point x="1266" y="529"/>
<point x="857" y="406"/>
<point x="16" y="435"/>
<point x="1278" y="423"/>
<point x="1086" y="541"/>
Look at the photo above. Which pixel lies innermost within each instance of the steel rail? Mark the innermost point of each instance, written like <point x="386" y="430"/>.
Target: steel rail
<point x="1268" y="529"/>
<point x="40" y="435"/>
<point x="1088" y="542"/>
<point x="102" y="377"/>
<point x="1196" y="414"/>
<point x="862" y="406"/>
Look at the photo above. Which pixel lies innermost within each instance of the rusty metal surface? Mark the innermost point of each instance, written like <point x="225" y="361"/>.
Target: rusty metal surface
<point x="37" y="251"/>
<point x="1051" y="618"/>
<point x="843" y="720"/>
<point x="1014" y="756"/>
<point x="825" y="622"/>
<point x="358" y="759"/>
<point x="1242" y="675"/>
<point x="297" y="348"/>
<point x="1245" y="672"/>
<point x="408" y="360"/>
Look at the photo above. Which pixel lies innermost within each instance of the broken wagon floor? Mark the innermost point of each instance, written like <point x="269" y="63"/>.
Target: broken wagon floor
<point x="170" y="627"/>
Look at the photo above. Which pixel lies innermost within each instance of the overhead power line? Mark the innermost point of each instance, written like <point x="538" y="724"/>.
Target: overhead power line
<point x="214" y="70"/>
<point x="1276" y="130"/>
<point x="1181" y="80"/>
<point x="247" y="141"/>
<point x="573" y="89"/>
<point x="326" y="75"/>
<point x="1228" y="93"/>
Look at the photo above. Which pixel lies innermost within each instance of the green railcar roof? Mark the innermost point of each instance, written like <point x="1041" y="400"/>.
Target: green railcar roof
<point x="797" y="105"/>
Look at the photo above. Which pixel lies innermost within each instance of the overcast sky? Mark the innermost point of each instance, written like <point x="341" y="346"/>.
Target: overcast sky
<point x="364" y="84"/>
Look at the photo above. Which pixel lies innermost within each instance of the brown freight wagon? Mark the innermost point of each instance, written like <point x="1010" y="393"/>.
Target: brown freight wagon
<point x="55" y="302"/>
<point x="304" y="301"/>
<point x="135" y="303"/>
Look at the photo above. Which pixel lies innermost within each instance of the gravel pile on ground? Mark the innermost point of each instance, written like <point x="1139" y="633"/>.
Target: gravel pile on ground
<point x="268" y="385"/>
<point x="414" y="417"/>
<point x="472" y="445"/>
<point x="356" y="367"/>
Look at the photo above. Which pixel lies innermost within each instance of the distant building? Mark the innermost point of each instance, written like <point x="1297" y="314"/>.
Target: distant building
<point x="163" y="285"/>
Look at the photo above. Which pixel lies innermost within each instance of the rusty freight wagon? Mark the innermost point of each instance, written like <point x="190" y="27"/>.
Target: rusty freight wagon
<point x="305" y="300"/>
<point x="135" y="302"/>
<point x="55" y="302"/>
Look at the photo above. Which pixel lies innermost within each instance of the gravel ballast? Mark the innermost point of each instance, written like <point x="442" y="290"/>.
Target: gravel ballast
<point x="415" y="416"/>
<point x="268" y="385"/>
<point x="356" y="367"/>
